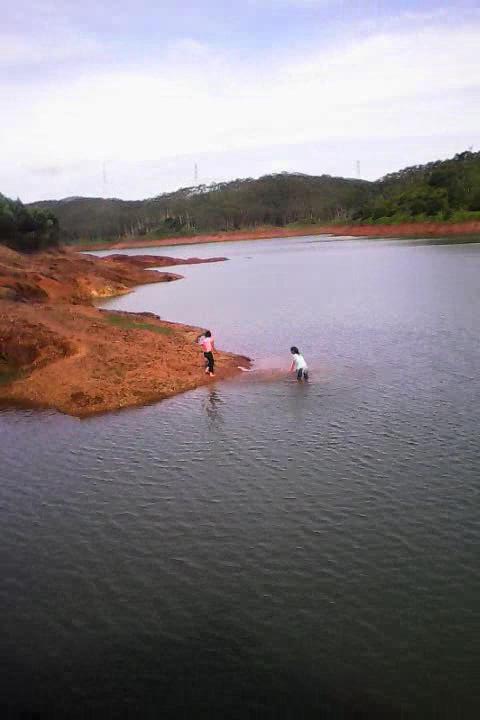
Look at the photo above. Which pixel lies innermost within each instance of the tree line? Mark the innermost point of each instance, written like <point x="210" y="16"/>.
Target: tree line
<point x="27" y="229"/>
<point x="442" y="190"/>
<point x="276" y="200"/>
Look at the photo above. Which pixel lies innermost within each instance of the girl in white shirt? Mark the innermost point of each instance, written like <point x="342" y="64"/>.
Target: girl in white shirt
<point x="298" y="364"/>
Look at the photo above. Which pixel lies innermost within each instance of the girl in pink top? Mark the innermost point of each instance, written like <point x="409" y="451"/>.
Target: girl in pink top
<point x="208" y="346"/>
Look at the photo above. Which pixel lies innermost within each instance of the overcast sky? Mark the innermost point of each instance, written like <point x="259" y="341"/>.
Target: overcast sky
<point x="123" y="98"/>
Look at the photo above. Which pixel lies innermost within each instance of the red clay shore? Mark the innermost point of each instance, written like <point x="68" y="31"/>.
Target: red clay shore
<point x="404" y="230"/>
<point x="59" y="351"/>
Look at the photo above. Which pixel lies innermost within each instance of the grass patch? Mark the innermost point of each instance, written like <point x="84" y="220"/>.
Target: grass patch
<point x="89" y="242"/>
<point x="127" y="323"/>
<point x="161" y="233"/>
<point x="8" y="375"/>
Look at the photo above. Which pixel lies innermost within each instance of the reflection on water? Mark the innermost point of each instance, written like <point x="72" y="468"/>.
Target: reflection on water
<point x="213" y="406"/>
<point x="260" y="547"/>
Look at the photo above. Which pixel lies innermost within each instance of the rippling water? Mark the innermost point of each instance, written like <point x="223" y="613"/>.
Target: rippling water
<point x="264" y="549"/>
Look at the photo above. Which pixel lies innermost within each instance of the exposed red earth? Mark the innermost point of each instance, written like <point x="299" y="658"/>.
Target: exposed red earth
<point x="59" y="351"/>
<point x="418" y="229"/>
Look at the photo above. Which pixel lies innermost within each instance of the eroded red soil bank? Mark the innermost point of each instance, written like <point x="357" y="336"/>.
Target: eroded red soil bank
<point x="59" y="351"/>
<point x="425" y="229"/>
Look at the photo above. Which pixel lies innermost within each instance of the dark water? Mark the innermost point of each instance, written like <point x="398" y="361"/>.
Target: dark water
<point x="263" y="549"/>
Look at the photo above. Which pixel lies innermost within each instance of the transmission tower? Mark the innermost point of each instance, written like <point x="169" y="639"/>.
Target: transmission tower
<point x="358" y="169"/>
<point x="105" y="180"/>
<point x="195" y="174"/>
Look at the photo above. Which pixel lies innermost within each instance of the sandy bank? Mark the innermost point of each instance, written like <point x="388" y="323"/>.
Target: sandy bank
<point x="58" y="351"/>
<point x="407" y="230"/>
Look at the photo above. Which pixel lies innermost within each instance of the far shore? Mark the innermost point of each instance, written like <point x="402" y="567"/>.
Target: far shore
<point x="403" y="230"/>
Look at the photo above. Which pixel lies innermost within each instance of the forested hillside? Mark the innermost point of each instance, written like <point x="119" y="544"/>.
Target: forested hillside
<point x="442" y="191"/>
<point x="26" y="229"/>
<point x="270" y="200"/>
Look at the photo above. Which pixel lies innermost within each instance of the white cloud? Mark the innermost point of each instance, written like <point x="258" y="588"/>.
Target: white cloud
<point x="17" y="51"/>
<point x="297" y="3"/>
<point x="189" y="47"/>
<point x="389" y="85"/>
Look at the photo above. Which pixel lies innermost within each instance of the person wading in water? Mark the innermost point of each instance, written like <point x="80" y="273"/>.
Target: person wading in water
<point x="298" y="364"/>
<point x="208" y="346"/>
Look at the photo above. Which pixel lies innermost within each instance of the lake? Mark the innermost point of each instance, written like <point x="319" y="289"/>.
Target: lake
<point x="259" y="547"/>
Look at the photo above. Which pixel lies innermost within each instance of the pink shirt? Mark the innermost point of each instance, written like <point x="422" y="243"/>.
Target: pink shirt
<point x="207" y="344"/>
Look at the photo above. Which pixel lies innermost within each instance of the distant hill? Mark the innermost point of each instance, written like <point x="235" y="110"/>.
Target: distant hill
<point x="442" y="190"/>
<point x="270" y="200"/>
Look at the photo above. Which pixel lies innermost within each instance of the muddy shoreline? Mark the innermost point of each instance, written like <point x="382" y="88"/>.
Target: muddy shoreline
<point x="404" y="230"/>
<point x="59" y="351"/>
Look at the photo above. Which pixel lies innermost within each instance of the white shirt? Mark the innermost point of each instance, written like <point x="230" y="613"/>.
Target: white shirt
<point x="299" y="362"/>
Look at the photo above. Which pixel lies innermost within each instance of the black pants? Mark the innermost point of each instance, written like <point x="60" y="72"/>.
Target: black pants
<point x="210" y="361"/>
<point x="302" y="373"/>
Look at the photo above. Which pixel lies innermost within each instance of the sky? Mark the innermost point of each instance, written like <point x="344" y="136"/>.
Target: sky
<point x="123" y="99"/>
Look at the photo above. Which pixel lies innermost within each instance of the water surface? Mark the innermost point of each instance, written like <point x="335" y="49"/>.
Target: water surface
<point x="264" y="548"/>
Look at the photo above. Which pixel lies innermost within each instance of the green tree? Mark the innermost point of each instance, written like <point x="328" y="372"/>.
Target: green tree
<point x="27" y="229"/>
